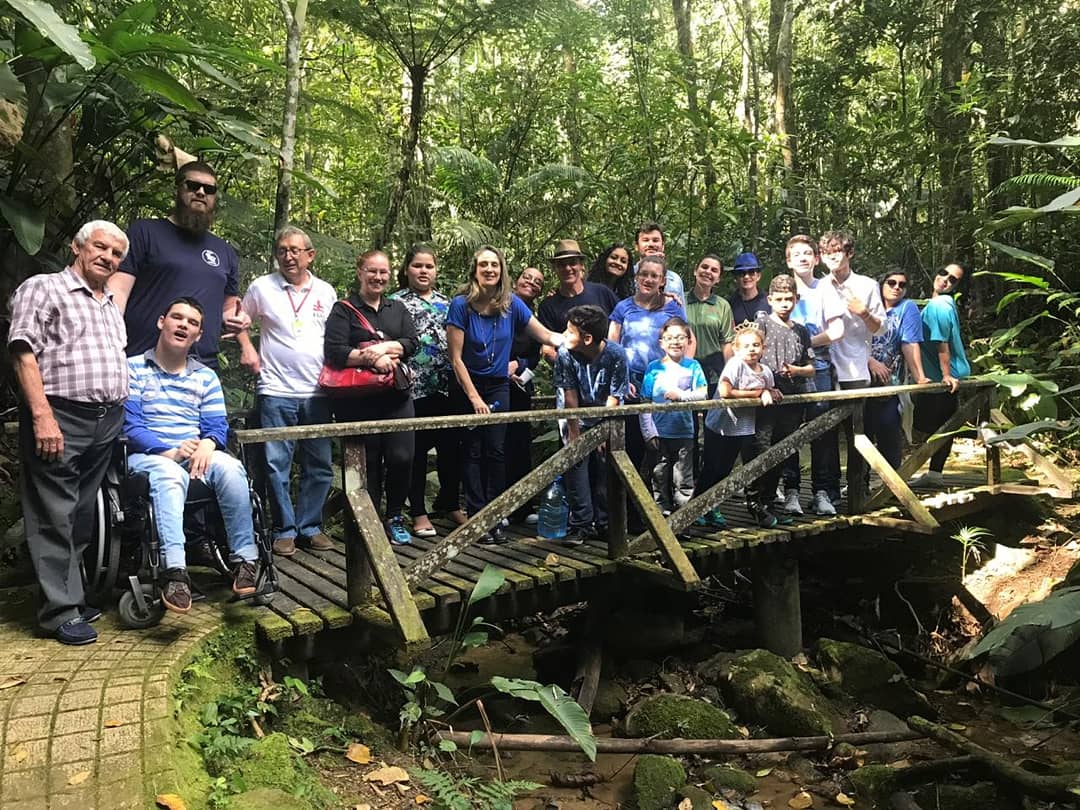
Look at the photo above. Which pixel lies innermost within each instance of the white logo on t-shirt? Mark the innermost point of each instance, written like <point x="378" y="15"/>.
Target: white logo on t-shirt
<point x="211" y="258"/>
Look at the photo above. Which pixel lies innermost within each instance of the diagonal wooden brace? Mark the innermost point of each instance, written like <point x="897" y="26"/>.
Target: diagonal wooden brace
<point x="514" y="496"/>
<point x="1054" y="474"/>
<point x="683" y="517"/>
<point x="908" y="499"/>
<point x="920" y="455"/>
<point x="665" y="538"/>
<point x="392" y="585"/>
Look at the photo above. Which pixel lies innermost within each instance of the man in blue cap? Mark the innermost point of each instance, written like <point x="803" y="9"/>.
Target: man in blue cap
<point x="748" y="301"/>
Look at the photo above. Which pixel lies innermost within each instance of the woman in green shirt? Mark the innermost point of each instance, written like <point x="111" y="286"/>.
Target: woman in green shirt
<point x="710" y="317"/>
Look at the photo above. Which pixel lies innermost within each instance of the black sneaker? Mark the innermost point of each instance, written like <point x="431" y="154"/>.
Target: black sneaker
<point x="76" y="633"/>
<point x="765" y="519"/>
<point x="499" y="536"/>
<point x="575" y="537"/>
<point x="90" y="613"/>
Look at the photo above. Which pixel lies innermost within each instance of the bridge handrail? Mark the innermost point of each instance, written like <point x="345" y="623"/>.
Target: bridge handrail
<point x="377" y="426"/>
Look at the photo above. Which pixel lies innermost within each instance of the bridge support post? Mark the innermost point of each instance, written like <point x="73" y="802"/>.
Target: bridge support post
<point x="358" y="575"/>
<point x="618" y="542"/>
<point x="777" y="605"/>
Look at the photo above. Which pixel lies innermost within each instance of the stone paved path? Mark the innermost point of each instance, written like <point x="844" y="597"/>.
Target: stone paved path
<point x="88" y="727"/>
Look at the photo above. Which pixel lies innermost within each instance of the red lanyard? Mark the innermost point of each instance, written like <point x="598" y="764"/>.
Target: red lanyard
<point x="297" y="307"/>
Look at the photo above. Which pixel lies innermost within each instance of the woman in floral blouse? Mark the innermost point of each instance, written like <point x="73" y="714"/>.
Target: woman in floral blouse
<point x="428" y="308"/>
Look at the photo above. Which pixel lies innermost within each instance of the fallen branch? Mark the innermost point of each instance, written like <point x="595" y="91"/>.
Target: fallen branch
<point x="607" y="745"/>
<point x="1052" y="788"/>
<point x="576" y="780"/>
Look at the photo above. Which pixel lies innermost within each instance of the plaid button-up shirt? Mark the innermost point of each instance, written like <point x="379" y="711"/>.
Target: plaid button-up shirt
<point x="78" y="340"/>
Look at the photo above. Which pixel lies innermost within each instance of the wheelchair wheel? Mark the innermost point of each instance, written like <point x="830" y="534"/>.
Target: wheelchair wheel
<point x="101" y="560"/>
<point x="137" y="619"/>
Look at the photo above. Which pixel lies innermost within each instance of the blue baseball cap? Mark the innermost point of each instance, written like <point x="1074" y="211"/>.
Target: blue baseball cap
<point x="745" y="263"/>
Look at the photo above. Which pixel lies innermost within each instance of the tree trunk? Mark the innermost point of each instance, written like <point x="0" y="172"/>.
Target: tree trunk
<point x="748" y="117"/>
<point x="784" y="113"/>
<point x="294" y="26"/>
<point x="418" y="77"/>
<point x="953" y="142"/>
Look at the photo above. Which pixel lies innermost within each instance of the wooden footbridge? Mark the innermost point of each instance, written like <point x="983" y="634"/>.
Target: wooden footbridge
<point x="411" y="592"/>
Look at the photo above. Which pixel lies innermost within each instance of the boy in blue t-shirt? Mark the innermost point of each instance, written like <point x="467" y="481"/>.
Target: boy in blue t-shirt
<point x="669" y="437"/>
<point x="591" y="372"/>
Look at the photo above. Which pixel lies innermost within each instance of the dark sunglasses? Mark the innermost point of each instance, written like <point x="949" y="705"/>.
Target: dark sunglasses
<point x="943" y="273"/>
<point x="195" y="185"/>
<point x="894" y="282"/>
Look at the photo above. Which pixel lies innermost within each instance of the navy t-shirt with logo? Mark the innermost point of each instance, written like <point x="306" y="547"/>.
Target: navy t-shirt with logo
<point x="169" y="262"/>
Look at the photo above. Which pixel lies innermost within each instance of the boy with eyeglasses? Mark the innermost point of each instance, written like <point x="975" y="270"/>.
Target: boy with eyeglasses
<point x="944" y="360"/>
<point x="669" y="437"/>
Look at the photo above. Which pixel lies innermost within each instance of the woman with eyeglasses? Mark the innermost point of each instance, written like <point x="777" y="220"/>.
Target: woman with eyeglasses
<point x="944" y="360"/>
<point x="480" y="328"/>
<point x="891" y="352"/>
<point x="431" y="367"/>
<point x="391" y="339"/>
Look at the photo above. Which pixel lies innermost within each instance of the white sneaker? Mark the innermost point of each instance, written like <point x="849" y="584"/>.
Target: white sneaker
<point x="781" y="496"/>
<point x="791" y="502"/>
<point x="532" y="519"/>
<point x="931" y="479"/>
<point x="822" y="504"/>
<point x="505" y="522"/>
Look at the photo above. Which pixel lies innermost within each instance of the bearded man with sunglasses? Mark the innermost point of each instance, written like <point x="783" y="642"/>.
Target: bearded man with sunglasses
<point x="945" y="361"/>
<point x="179" y="256"/>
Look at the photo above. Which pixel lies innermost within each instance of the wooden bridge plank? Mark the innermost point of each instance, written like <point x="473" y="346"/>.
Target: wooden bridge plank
<point x="480" y="557"/>
<point x="506" y="555"/>
<point x="452" y="574"/>
<point x="581" y="569"/>
<point x="271" y="626"/>
<point x="332" y="615"/>
<point x="304" y="621"/>
<point x="579" y="553"/>
<point x="330" y="563"/>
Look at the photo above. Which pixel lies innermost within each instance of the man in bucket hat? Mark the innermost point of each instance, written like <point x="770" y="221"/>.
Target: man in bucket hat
<point x="747" y="301"/>
<point x="569" y="264"/>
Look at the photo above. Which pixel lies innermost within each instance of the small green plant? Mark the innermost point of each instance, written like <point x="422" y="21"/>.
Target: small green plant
<point x="971" y="540"/>
<point x="451" y="792"/>
<point x="422" y="699"/>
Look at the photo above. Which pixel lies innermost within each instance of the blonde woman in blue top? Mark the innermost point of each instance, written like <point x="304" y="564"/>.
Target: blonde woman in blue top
<point x="480" y="328"/>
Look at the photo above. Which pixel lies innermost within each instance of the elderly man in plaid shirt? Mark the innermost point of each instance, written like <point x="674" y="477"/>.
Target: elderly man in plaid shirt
<point x="67" y="342"/>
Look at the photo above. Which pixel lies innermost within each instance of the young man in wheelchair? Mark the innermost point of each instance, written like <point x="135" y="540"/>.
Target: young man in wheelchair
<point x="176" y="429"/>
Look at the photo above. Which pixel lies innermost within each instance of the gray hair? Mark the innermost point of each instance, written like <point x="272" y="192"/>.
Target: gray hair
<point x="84" y="233"/>
<point x="291" y="230"/>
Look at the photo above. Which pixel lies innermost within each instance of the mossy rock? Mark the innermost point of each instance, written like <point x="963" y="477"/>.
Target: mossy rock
<point x="874" y="783"/>
<point x="699" y="799"/>
<point x="728" y="777"/>
<point x="767" y="690"/>
<point x="657" y="781"/>
<point x="871" y="677"/>
<point x="320" y="718"/>
<point x="610" y="701"/>
<point x="668" y="716"/>
<point x="271" y="763"/>
<point x="263" y="798"/>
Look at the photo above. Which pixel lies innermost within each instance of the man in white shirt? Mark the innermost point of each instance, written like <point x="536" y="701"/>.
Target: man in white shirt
<point x="291" y="307"/>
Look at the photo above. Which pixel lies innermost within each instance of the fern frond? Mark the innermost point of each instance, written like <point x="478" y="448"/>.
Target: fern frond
<point x="463" y="233"/>
<point x="1037" y="181"/>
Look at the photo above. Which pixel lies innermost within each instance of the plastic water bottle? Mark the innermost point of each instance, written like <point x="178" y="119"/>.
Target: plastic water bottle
<point x="493" y="406"/>
<point x="554" y="514"/>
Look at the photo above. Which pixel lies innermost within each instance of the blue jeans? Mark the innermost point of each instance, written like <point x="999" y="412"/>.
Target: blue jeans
<point x="484" y="448"/>
<point x="586" y="491"/>
<point x="168" y="492"/>
<point x="881" y="423"/>
<point x="316" y="473"/>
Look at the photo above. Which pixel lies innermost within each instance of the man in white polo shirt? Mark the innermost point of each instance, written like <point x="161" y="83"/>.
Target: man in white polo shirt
<point x="290" y="307"/>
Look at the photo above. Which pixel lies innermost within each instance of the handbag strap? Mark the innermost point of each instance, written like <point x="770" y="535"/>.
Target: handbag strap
<point x="364" y="322"/>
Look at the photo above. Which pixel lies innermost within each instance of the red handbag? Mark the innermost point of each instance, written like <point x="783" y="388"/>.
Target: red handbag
<point x="364" y="382"/>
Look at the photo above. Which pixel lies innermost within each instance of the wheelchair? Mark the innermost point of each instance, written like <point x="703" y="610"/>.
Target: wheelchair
<point x="125" y="551"/>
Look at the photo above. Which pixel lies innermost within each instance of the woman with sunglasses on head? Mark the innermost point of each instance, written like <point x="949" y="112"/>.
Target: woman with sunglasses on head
<point x="614" y="269"/>
<point x="944" y="360"/>
<point x="897" y="348"/>
<point x="480" y="329"/>
<point x="431" y="366"/>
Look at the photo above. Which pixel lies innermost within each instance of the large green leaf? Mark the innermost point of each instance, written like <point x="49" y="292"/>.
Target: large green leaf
<point x="1032" y="634"/>
<point x="10" y="87"/>
<point x="558" y="704"/>
<point x="27" y="223"/>
<point x="66" y="37"/>
<point x="158" y="81"/>
<point x="1020" y="278"/>
<point x="1067" y="141"/>
<point x="491" y="579"/>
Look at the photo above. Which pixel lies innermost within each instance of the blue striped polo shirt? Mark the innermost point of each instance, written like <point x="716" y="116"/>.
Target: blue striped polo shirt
<point x="163" y="409"/>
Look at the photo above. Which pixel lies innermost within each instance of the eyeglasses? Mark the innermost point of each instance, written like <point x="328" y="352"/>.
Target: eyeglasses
<point x="895" y="282"/>
<point x="291" y="251"/>
<point x="195" y="185"/>
<point x="942" y="273"/>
